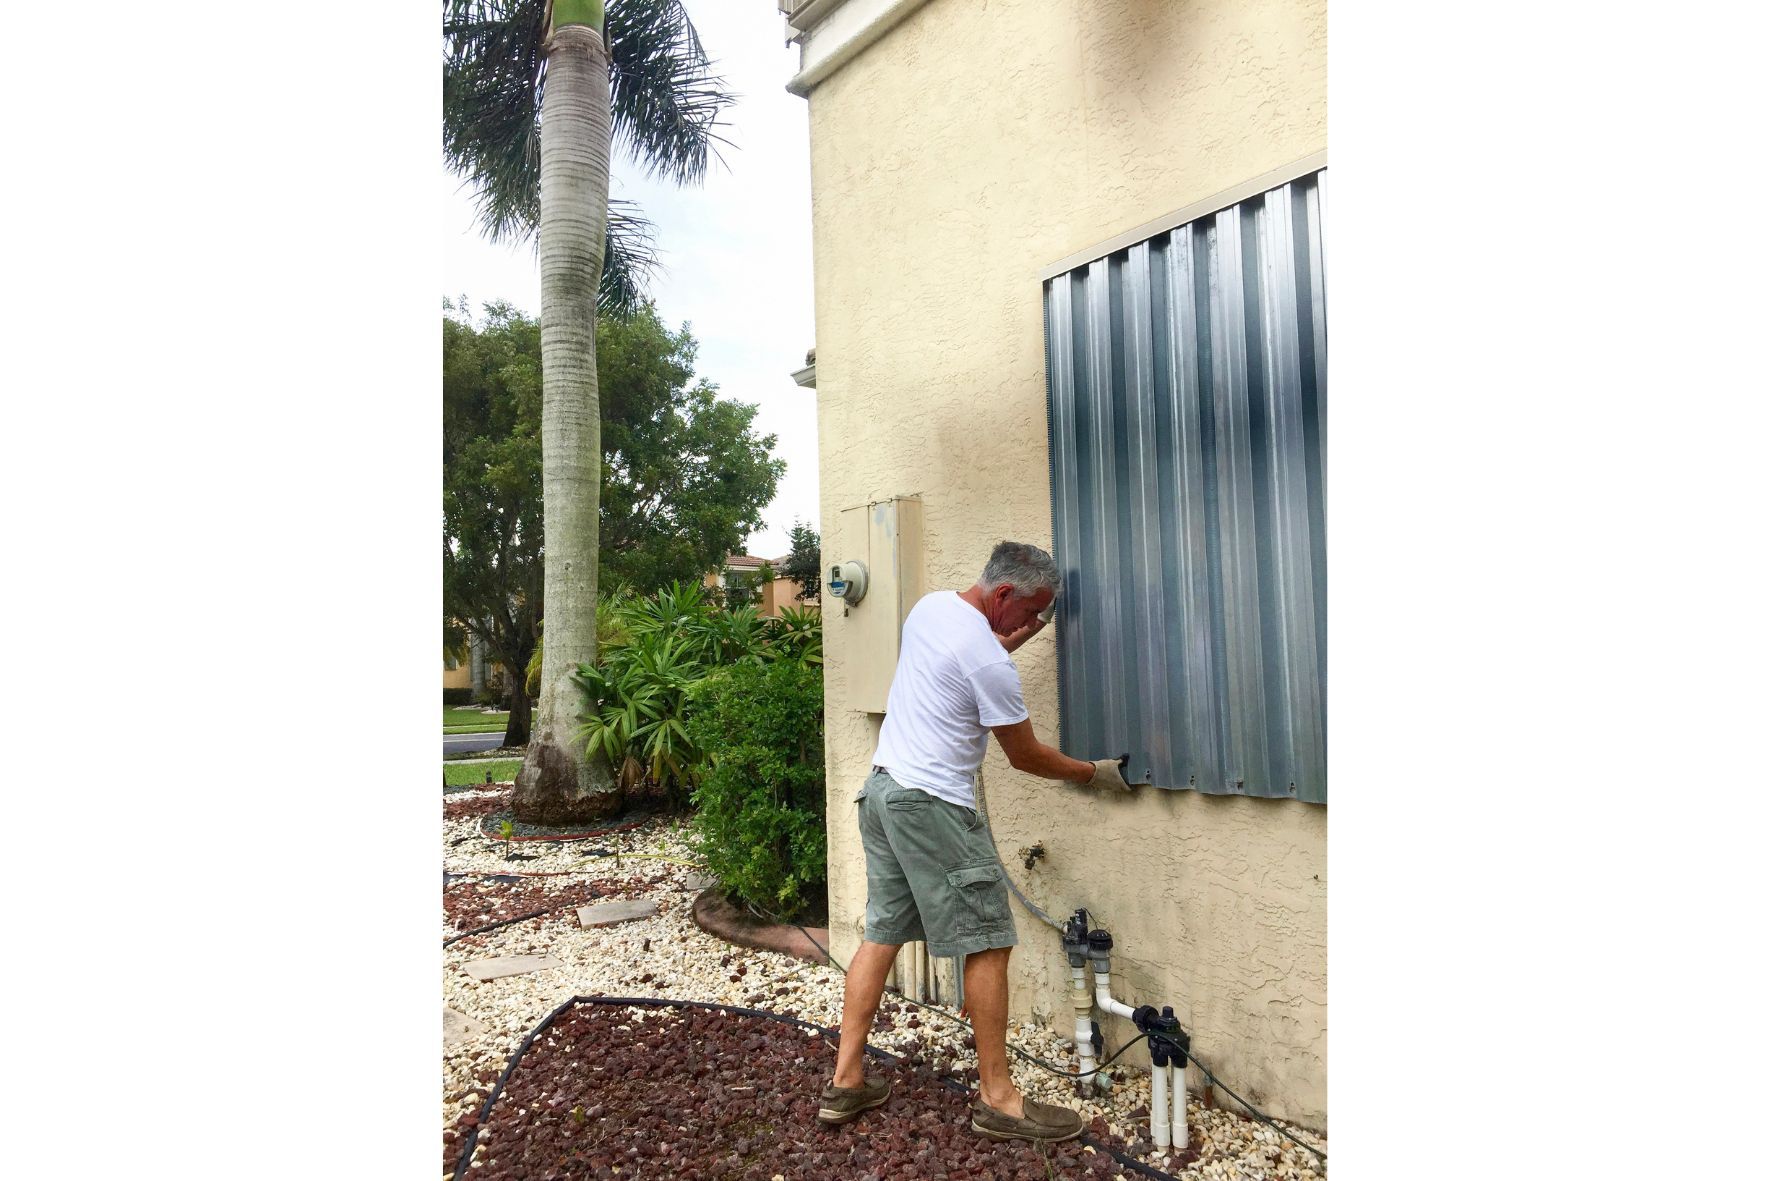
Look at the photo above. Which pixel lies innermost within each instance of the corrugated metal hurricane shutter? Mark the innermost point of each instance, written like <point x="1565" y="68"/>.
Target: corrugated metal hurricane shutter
<point x="1185" y="378"/>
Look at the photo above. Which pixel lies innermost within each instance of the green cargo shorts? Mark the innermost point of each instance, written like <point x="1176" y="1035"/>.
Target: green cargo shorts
<point x="933" y="873"/>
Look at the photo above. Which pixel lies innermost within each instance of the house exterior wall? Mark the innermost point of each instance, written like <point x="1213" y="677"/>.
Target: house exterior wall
<point x="783" y="594"/>
<point x="459" y="677"/>
<point x="971" y="147"/>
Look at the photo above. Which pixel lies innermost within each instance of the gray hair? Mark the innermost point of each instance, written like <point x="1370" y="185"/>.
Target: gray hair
<point x="1027" y="568"/>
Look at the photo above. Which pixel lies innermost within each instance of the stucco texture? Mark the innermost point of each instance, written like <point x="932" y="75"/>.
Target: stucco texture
<point x="975" y="144"/>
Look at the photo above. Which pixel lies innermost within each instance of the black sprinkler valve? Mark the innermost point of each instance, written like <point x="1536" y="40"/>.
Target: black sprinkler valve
<point x="1166" y="1034"/>
<point x="1169" y="1041"/>
<point x="1100" y="943"/>
<point x="1076" y="937"/>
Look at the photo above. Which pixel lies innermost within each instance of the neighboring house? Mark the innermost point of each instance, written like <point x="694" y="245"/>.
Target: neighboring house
<point x="457" y="675"/>
<point x="737" y="575"/>
<point x="770" y="598"/>
<point x="782" y="593"/>
<point x="1069" y="289"/>
<point x="469" y="674"/>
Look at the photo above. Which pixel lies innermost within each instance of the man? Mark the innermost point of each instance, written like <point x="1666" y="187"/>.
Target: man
<point x="933" y="873"/>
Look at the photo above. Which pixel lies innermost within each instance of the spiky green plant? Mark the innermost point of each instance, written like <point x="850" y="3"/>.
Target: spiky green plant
<point x="798" y="635"/>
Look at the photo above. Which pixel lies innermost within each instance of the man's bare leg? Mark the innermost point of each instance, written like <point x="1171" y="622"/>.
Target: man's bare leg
<point x="987" y="999"/>
<point x="861" y="1000"/>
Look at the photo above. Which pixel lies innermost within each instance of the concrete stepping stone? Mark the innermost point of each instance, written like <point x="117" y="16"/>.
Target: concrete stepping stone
<point x="459" y="1027"/>
<point x="695" y="883"/>
<point x="607" y="914"/>
<point x="508" y="965"/>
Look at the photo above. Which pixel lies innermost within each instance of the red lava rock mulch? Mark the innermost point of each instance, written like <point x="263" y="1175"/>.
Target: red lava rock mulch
<point x="481" y="805"/>
<point x="474" y="902"/>
<point x="718" y="1096"/>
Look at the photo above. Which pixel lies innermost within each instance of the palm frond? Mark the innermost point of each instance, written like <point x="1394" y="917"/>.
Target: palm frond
<point x="665" y="99"/>
<point x="630" y="259"/>
<point x="493" y="69"/>
<point x="664" y="105"/>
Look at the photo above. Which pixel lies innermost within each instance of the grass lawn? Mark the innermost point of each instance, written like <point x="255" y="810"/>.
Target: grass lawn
<point x="503" y="771"/>
<point x="471" y="721"/>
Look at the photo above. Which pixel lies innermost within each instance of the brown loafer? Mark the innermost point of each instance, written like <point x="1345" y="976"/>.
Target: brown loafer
<point x="1043" y="1122"/>
<point x="839" y="1105"/>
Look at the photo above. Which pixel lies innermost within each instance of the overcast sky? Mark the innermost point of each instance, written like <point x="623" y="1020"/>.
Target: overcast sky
<point x="736" y="252"/>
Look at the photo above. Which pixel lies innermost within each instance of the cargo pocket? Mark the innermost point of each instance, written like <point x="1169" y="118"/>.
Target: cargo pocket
<point x="978" y="886"/>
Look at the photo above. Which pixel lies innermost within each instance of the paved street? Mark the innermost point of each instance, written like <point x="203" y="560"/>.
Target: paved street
<point x="462" y="743"/>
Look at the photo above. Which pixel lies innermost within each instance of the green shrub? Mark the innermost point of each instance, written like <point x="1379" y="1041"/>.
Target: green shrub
<point x="651" y="650"/>
<point x="458" y="697"/>
<point x="759" y="800"/>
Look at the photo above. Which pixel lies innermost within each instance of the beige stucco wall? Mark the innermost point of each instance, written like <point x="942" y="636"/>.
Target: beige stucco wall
<point x="972" y="146"/>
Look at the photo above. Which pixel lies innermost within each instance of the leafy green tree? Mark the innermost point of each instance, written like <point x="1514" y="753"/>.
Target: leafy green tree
<point x="663" y="441"/>
<point x="492" y="528"/>
<point x="534" y="94"/>
<point x="802" y="564"/>
<point x="455" y="641"/>
<point x="685" y="476"/>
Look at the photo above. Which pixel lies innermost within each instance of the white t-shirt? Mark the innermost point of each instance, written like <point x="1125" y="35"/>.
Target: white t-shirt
<point x="954" y="682"/>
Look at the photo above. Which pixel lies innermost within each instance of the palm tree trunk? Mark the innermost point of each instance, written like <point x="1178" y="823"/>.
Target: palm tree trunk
<point x="559" y="784"/>
<point x="476" y="665"/>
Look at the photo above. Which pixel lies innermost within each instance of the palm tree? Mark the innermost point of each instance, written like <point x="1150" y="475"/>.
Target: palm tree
<point x="534" y="91"/>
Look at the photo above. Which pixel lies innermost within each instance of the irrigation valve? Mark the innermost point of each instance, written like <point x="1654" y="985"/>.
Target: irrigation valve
<point x="1100" y="944"/>
<point x="1167" y="1036"/>
<point x="1076" y="937"/>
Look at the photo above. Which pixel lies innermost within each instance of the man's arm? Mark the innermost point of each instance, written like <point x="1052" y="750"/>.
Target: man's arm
<point x="1029" y="754"/>
<point x="1022" y="635"/>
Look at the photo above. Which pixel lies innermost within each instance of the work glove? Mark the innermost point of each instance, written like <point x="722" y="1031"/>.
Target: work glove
<point x="1109" y="777"/>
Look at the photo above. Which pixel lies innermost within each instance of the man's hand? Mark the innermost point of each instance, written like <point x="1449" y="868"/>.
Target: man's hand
<point x="1021" y="635"/>
<point x="1108" y="776"/>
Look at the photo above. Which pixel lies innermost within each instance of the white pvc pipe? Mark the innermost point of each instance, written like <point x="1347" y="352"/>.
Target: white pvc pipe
<point x="1084" y="1034"/>
<point x="1160" y="1106"/>
<point x="1109" y="1004"/>
<point x="1178" y="1093"/>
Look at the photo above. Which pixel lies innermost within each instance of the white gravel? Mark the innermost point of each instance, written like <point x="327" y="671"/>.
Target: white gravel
<point x="685" y="963"/>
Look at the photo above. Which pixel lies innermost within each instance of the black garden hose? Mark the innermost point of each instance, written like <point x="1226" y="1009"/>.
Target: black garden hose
<point x="506" y="922"/>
